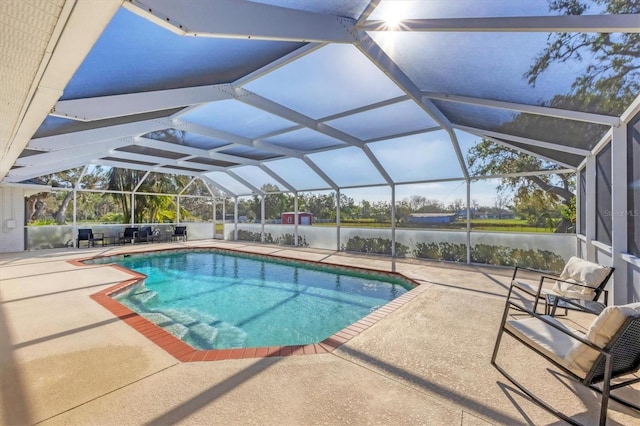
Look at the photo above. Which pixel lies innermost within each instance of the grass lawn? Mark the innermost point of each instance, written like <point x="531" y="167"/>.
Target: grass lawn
<point x="506" y="225"/>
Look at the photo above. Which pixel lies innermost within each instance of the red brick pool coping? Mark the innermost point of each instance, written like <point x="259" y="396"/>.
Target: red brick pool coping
<point x="185" y="353"/>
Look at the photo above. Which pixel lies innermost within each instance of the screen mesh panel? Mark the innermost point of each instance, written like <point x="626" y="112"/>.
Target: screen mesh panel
<point x="603" y="196"/>
<point x="633" y="189"/>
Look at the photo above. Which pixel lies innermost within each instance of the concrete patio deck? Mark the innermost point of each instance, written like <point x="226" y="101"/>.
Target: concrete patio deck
<point x="67" y="360"/>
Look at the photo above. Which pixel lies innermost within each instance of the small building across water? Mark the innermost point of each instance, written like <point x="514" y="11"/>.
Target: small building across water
<point x="304" y="218"/>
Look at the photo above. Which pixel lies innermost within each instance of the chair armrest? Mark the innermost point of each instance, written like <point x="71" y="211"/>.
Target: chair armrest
<point x="570" y="282"/>
<point x="606" y="292"/>
<point x="539" y="271"/>
<point x="548" y="274"/>
<point x="532" y="289"/>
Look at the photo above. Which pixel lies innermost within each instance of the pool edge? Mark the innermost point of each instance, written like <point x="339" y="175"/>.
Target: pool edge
<point x="186" y="353"/>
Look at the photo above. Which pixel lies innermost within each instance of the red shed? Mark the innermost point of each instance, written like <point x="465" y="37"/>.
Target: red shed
<point x="304" y="218"/>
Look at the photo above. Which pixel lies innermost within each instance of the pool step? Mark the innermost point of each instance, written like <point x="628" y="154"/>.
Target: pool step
<point x="182" y="317"/>
<point x="230" y="336"/>
<point x="167" y="323"/>
<point x="204" y="334"/>
<point x="157" y="318"/>
<point x="177" y="330"/>
<point x="143" y="296"/>
<point x="201" y="317"/>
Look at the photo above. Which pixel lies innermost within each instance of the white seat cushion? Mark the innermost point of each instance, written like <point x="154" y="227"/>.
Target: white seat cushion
<point x="549" y="340"/>
<point x="583" y="272"/>
<point x="601" y="330"/>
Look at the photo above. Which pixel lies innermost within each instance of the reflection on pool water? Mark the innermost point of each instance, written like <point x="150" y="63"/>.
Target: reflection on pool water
<point x="215" y="300"/>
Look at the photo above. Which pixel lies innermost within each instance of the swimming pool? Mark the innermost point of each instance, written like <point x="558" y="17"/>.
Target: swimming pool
<point x="214" y="299"/>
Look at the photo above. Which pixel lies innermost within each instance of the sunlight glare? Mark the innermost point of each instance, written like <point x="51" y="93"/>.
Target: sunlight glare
<point x="393" y="18"/>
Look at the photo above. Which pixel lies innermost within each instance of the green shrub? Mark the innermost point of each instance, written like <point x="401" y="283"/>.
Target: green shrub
<point x="43" y="222"/>
<point x="244" y="235"/>
<point x="374" y="246"/>
<point x="491" y="255"/>
<point x="112" y="217"/>
<point x="427" y="251"/>
<point x="289" y="240"/>
<point x="506" y="256"/>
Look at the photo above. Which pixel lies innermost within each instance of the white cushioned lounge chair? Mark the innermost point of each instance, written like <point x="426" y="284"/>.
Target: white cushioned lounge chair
<point x="579" y="280"/>
<point x="609" y="349"/>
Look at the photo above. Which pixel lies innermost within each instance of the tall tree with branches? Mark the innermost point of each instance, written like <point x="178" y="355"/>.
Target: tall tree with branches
<point x="612" y="80"/>
<point x="607" y="86"/>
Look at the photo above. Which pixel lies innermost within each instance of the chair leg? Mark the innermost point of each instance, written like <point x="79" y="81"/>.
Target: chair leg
<point x="619" y="400"/>
<point x="535" y="399"/>
<point x="496" y="347"/>
<point x="537" y="297"/>
<point x="606" y="388"/>
<point x="505" y="313"/>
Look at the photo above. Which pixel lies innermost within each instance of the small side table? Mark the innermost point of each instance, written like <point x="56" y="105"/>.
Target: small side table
<point x="551" y="302"/>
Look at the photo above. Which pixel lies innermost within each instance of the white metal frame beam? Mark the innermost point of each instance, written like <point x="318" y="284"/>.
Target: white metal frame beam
<point x="403" y="134"/>
<point x="193" y="179"/>
<point x="320" y="173"/>
<point x="531" y="109"/>
<point x="101" y="134"/>
<point x="264" y="104"/>
<point x="524" y="174"/>
<point x="88" y="152"/>
<point x="103" y="107"/>
<point x="366" y="108"/>
<point x="525" y="151"/>
<point x="278" y="63"/>
<point x="155" y="169"/>
<point x="25" y="173"/>
<point x="220" y="187"/>
<point x="384" y="62"/>
<point x="193" y="152"/>
<point x="368" y="11"/>
<point x="526" y="141"/>
<point x="159" y="161"/>
<point x="619" y="222"/>
<point x="567" y="23"/>
<point x="277" y="177"/>
<point x="245" y="182"/>
<point x="242" y="19"/>
<point x="233" y="139"/>
<point x="274" y="108"/>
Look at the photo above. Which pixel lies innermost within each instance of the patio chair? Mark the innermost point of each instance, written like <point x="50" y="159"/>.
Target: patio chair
<point x="128" y="235"/>
<point x="580" y="280"/>
<point x="179" y="232"/>
<point x="610" y="349"/>
<point x="145" y="234"/>
<point x="88" y="236"/>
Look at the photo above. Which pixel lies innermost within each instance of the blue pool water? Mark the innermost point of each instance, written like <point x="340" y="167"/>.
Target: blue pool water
<point x="215" y="300"/>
